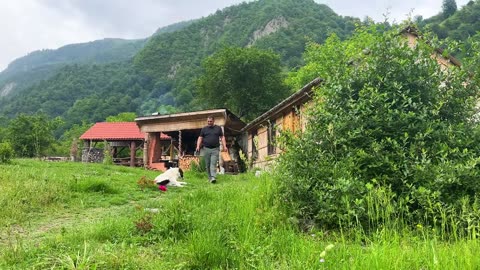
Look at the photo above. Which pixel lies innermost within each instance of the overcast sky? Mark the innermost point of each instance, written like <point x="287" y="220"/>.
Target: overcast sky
<point x="29" y="25"/>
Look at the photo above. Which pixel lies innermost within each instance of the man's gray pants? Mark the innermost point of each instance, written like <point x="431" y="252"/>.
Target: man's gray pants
<point x="211" y="158"/>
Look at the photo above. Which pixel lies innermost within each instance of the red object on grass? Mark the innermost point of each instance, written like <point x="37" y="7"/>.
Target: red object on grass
<point x="162" y="188"/>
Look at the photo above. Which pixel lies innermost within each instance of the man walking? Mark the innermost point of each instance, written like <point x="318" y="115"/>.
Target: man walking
<point x="209" y="139"/>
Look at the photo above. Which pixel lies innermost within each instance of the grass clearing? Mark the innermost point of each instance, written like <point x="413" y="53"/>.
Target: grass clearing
<point x="64" y="215"/>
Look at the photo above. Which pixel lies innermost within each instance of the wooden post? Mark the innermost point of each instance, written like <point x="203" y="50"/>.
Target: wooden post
<point x="179" y="144"/>
<point x="171" y="149"/>
<point x="86" y="145"/>
<point x="145" y="151"/>
<point x="220" y="159"/>
<point x="132" y="154"/>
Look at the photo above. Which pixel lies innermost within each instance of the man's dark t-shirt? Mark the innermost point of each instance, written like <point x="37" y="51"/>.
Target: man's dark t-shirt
<point x="211" y="136"/>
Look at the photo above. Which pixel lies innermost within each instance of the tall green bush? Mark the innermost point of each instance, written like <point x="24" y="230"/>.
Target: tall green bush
<point x="388" y="115"/>
<point x="6" y="152"/>
<point x="32" y="135"/>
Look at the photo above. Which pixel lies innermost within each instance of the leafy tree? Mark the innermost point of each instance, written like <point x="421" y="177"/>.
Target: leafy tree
<point x="122" y="117"/>
<point x="70" y="137"/>
<point x="387" y="117"/>
<point x="449" y="7"/>
<point x="247" y="81"/>
<point x="32" y="135"/>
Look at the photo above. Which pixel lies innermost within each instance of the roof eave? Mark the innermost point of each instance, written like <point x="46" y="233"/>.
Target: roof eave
<point x="306" y="91"/>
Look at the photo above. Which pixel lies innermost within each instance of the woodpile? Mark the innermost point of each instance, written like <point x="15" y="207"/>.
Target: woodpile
<point x="92" y="155"/>
<point x="185" y="162"/>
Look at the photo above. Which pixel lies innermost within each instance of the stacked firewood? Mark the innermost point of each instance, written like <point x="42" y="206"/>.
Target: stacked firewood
<point x="185" y="162"/>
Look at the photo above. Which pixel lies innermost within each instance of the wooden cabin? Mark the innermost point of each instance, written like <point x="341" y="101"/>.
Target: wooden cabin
<point x="183" y="129"/>
<point x="261" y="133"/>
<point x="119" y="138"/>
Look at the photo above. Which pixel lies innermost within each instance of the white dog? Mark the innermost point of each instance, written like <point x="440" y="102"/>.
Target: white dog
<point x="170" y="178"/>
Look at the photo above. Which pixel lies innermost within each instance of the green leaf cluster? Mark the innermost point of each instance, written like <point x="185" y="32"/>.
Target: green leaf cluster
<point x="389" y="116"/>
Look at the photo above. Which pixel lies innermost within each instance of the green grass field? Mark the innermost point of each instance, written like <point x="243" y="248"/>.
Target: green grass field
<point x="63" y="215"/>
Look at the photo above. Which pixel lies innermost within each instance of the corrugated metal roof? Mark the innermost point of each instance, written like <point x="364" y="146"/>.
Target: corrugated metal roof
<point x="119" y="131"/>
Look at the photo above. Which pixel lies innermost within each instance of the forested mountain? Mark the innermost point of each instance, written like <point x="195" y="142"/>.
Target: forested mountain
<point x="42" y="64"/>
<point x="459" y="24"/>
<point x="83" y="93"/>
<point x="173" y="27"/>
<point x="462" y="25"/>
<point x="284" y="26"/>
<point x="165" y="69"/>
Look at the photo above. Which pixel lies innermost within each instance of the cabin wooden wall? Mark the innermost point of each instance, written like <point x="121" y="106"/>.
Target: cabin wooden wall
<point x="292" y="120"/>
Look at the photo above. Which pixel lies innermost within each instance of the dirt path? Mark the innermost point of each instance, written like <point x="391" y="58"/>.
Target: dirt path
<point x="36" y="230"/>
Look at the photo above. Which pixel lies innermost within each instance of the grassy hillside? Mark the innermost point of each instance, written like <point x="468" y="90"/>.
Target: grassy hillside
<point x="91" y="216"/>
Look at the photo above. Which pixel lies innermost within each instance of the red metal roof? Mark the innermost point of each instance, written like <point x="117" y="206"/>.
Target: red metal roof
<point x="119" y="131"/>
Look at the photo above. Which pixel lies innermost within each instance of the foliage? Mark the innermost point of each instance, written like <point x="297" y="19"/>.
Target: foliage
<point x="233" y="76"/>
<point x="98" y="51"/>
<point x="82" y="94"/>
<point x="122" y="117"/>
<point x="107" y="154"/>
<point x="43" y="64"/>
<point x="174" y="59"/>
<point x="6" y="152"/>
<point x="199" y="166"/>
<point x="144" y="183"/>
<point x="173" y="27"/>
<point x="457" y="25"/>
<point x="32" y="135"/>
<point x="144" y="224"/>
<point x="69" y="137"/>
<point x="387" y="116"/>
<point x="449" y="7"/>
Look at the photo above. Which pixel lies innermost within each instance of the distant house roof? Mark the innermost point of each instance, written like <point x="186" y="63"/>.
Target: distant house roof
<point x="115" y="131"/>
<point x="412" y="30"/>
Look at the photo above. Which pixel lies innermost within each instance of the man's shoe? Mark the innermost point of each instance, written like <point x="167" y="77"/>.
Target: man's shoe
<point x="213" y="180"/>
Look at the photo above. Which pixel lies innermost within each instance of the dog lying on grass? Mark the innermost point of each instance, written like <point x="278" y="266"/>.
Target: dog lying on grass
<point x="170" y="178"/>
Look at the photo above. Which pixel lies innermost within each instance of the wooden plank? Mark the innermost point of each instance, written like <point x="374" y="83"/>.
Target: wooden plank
<point x="226" y="156"/>
<point x="176" y="126"/>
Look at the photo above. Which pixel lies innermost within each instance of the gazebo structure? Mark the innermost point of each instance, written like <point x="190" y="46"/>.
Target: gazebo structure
<point x="118" y="136"/>
<point x="183" y="129"/>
